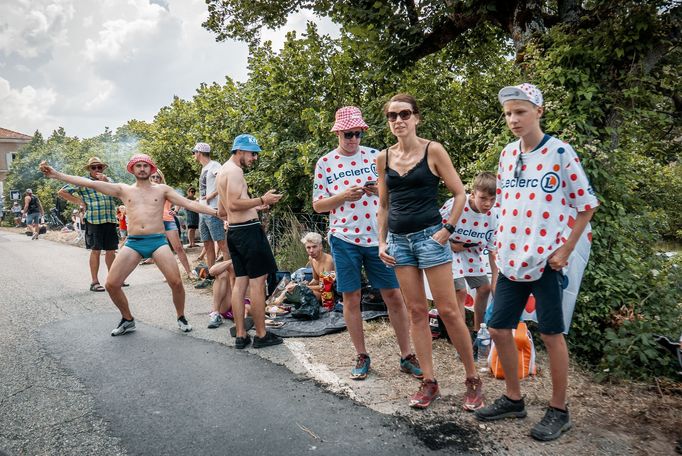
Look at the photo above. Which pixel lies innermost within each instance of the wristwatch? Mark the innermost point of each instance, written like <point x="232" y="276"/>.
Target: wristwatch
<point x="450" y="228"/>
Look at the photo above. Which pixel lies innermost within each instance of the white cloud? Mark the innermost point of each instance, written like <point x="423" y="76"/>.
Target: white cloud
<point x="85" y="65"/>
<point x="24" y="108"/>
<point x="30" y="29"/>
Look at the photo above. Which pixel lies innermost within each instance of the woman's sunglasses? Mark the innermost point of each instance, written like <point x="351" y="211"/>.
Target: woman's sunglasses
<point x="97" y="167"/>
<point x="350" y="134"/>
<point x="155" y="177"/>
<point x="393" y="116"/>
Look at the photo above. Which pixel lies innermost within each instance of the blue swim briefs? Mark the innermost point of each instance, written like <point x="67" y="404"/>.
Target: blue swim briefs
<point x="146" y="244"/>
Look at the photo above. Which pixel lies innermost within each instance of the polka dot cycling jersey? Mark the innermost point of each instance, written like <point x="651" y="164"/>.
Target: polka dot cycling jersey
<point x="354" y="221"/>
<point x="472" y="228"/>
<point x="534" y="202"/>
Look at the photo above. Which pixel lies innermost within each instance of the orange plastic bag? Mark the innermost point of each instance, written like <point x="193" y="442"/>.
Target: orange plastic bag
<point x="526" y="350"/>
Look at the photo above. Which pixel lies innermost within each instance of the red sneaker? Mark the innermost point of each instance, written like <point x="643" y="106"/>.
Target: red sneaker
<point x="473" y="398"/>
<point x="428" y="392"/>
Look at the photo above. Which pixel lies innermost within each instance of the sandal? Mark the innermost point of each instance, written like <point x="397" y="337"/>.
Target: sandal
<point x="96" y="287"/>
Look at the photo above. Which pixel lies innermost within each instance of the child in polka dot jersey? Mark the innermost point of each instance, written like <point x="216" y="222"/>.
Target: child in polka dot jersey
<point x="539" y="180"/>
<point x="473" y="237"/>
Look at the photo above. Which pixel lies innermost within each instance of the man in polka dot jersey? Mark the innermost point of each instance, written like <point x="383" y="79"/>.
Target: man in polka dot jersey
<point x="539" y="179"/>
<point x="474" y="236"/>
<point x="345" y="186"/>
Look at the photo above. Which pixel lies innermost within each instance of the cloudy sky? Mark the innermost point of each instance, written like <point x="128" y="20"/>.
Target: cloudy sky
<point x="84" y="64"/>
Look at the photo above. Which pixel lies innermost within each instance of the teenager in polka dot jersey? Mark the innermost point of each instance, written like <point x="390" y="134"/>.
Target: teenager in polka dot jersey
<point x="473" y="237"/>
<point x="345" y="186"/>
<point x="539" y="178"/>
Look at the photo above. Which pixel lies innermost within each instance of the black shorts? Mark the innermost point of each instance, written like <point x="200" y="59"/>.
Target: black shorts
<point x="102" y="236"/>
<point x="511" y="298"/>
<point x="250" y="250"/>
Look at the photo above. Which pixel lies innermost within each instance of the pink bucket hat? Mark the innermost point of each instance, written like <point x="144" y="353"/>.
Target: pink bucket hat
<point x="348" y="118"/>
<point x="140" y="158"/>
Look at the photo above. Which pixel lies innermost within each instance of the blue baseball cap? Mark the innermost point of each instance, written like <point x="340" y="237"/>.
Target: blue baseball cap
<point x="245" y="142"/>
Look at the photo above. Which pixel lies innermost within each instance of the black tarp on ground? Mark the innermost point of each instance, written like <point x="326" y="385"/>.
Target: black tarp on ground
<point x="328" y="323"/>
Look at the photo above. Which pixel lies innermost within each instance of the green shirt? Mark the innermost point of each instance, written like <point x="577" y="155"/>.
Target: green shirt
<point x="100" y="208"/>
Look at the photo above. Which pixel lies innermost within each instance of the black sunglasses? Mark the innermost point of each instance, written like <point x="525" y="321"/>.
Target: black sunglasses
<point x="404" y="115"/>
<point x="97" y="167"/>
<point x="519" y="166"/>
<point x="350" y="134"/>
<point x="155" y="177"/>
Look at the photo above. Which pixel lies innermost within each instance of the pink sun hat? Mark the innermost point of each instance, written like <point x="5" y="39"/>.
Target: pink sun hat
<point x="141" y="158"/>
<point x="348" y="118"/>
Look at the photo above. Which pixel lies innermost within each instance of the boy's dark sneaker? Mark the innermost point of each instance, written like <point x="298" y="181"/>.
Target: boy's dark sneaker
<point x="242" y="342"/>
<point x="428" y="392"/>
<point x="553" y="424"/>
<point x="502" y="408"/>
<point x="267" y="340"/>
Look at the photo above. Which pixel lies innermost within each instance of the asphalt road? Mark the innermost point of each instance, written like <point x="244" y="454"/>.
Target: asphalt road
<point x="68" y="387"/>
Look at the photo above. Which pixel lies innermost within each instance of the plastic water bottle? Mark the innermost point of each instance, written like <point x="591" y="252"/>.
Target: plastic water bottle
<point x="483" y="344"/>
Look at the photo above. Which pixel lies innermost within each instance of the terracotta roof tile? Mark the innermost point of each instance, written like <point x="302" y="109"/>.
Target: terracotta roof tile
<point x="9" y="134"/>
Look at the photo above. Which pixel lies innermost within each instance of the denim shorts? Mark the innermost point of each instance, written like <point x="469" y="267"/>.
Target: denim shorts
<point x="348" y="261"/>
<point x="211" y="228"/>
<point x="170" y="225"/>
<point x="418" y="249"/>
<point x="33" y="218"/>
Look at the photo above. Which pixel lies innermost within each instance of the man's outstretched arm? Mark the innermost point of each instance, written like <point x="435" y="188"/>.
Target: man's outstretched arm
<point x="103" y="187"/>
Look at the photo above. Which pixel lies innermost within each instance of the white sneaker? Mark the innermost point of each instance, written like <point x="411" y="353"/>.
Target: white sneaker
<point x="123" y="327"/>
<point x="183" y="325"/>
<point x="215" y="321"/>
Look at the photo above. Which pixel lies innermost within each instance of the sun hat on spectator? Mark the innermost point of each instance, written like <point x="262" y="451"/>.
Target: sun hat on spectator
<point x="348" y="118"/>
<point x="202" y="147"/>
<point x="245" y="142"/>
<point x="141" y="158"/>
<point x="525" y="91"/>
<point x="94" y="161"/>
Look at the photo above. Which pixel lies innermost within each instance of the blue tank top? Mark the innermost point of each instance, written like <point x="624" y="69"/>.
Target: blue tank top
<point x="413" y="197"/>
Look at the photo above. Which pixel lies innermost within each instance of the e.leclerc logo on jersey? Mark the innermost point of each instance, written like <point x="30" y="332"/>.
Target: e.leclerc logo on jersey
<point x="550" y="182"/>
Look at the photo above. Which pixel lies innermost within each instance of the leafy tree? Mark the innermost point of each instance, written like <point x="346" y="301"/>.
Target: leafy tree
<point x="610" y="73"/>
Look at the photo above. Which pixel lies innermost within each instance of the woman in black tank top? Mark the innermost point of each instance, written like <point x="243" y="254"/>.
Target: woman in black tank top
<point x="413" y="239"/>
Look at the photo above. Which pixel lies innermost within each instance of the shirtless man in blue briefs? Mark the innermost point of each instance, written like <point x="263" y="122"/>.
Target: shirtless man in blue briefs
<point x="146" y="234"/>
